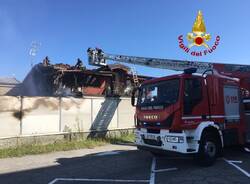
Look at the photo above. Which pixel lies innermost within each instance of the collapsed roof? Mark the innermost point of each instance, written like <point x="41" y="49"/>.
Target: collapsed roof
<point x="46" y="79"/>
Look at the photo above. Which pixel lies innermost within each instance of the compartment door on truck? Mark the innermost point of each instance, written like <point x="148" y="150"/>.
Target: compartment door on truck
<point x="231" y="104"/>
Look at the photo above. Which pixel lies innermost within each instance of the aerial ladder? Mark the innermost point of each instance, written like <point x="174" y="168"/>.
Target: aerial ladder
<point x="135" y="77"/>
<point x="99" y="58"/>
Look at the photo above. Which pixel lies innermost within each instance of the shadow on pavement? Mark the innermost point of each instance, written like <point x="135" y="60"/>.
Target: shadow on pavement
<point x="108" y="166"/>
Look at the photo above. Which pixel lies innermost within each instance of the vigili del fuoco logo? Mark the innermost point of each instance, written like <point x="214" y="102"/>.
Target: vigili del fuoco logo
<point x="197" y="40"/>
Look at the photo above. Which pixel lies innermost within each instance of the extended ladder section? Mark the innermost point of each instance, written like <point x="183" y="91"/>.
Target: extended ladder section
<point x="135" y="77"/>
<point x="98" y="58"/>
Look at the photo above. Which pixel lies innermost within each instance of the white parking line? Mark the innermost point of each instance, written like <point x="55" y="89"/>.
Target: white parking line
<point x="150" y="181"/>
<point x="152" y="175"/>
<point x="235" y="161"/>
<point x="97" y="180"/>
<point x="165" y="170"/>
<point x="247" y="149"/>
<point x="232" y="162"/>
<point x="53" y="181"/>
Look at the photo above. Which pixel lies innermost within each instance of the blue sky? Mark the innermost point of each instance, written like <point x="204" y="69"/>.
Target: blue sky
<point x="66" y="28"/>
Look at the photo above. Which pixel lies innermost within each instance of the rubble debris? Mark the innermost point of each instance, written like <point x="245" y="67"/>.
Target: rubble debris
<point x="46" y="79"/>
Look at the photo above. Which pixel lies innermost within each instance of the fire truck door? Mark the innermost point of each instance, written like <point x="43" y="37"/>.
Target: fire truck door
<point x="195" y="100"/>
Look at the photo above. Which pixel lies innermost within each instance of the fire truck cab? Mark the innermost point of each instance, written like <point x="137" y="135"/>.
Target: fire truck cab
<point x="192" y="114"/>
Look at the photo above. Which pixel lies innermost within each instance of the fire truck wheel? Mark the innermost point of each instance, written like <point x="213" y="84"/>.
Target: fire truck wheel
<point x="208" y="150"/>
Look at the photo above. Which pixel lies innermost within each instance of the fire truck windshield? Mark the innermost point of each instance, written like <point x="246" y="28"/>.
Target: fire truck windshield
<point x="160" y="93"/>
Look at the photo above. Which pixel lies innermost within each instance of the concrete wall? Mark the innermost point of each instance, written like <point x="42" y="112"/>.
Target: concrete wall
<point x="9" y="116"/>
<point x="40" y="115"/>
<point x="32" y="116"/>
<point x="125" y="114"/>
<point x="75" y="114"/>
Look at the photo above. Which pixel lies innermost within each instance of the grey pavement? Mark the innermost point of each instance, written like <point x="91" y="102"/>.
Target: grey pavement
<point x="112" y="164"/>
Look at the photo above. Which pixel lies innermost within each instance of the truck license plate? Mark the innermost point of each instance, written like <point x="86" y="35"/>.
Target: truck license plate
<point x="152" y="137"/>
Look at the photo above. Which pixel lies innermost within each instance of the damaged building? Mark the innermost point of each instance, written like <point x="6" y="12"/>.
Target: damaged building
<point x="8" y="84"/>
<point x="46" y="79"/>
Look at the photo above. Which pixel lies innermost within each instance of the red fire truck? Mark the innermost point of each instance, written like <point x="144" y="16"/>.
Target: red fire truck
<point x="200" y="111"/>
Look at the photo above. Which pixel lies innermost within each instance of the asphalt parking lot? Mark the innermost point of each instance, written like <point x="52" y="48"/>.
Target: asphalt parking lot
<point x="124" y="164"/>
